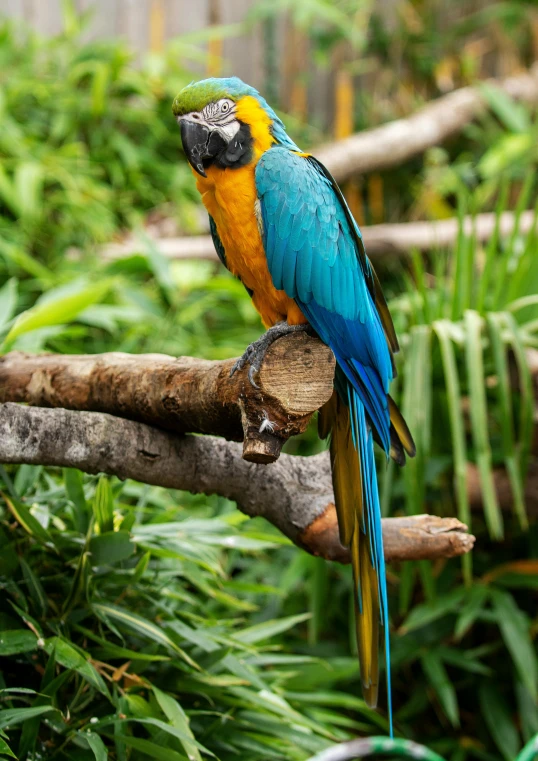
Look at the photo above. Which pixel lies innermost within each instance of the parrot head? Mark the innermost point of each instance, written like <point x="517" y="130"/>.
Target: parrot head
<point x="225" y="122"/>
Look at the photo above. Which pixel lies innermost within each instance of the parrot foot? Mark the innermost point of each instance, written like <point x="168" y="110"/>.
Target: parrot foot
<point x="255" y="353"/>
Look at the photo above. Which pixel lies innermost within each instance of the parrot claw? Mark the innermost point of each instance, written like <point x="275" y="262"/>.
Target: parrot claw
<point x="255" y="353"/>
<point x="252" y="370"/>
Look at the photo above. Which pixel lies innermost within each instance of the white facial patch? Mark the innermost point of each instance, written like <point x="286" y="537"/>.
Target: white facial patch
<point x="218" y="116"/>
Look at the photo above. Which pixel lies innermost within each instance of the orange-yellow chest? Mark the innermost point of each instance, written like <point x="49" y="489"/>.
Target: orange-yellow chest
<point x="229" y="196"/>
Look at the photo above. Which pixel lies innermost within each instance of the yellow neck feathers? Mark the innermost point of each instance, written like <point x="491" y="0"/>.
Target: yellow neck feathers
<point x="250" y="112"/>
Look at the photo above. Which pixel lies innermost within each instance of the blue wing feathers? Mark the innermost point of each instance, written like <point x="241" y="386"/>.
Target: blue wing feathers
<point x="315" y="254"/>
<point x="289" y="270"/>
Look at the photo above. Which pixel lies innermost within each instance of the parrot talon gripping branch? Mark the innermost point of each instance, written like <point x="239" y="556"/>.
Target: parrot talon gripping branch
<point x="281" y="224"/>
<point x="255" y="353"/>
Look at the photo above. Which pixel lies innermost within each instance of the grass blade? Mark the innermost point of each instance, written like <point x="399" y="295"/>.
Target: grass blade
<point x="441" y="684"/>
<point x="178" y="718"/>
<point x="479" y="421"/>
<point x="416" y="409"/>
<point x="511" y="457"/>
<point x="460" y="255"/>
<point x="526" y="411"/>
<point x="459" y="447"/>
<point x="145" y="628"/>
<point x="492" y="246"/>
<point x="502" y="266"/>
<point x="103" y="506"/>
<point x="497" y="717"/>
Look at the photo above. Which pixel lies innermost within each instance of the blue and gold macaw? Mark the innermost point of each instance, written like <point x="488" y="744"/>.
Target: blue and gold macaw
<point x="280" y="224"/>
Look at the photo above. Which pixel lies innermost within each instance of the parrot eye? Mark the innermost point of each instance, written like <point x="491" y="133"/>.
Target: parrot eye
<point x="224" y="107"/>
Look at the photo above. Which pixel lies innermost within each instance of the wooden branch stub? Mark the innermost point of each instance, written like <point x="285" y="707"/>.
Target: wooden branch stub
<point x="296" y="379"/>
<point x="185" y="395"/>
<point x="413" y="537"/>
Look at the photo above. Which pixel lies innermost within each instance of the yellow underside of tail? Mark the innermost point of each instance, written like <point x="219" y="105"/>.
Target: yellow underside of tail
<point x="346" y="469"/>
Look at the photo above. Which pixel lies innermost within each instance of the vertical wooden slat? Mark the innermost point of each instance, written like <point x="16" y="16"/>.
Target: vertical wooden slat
<point x="133" y="23"/>
<point x="215" y="46"/>
<point x="344" y="109"/>
<point x="12" y="9"/>
<point x="183" y="17"/>
<point x="240" y="54"/>
<point x="344" y="104"/>
<point x="104" y="18"/>
<point x="45" y="17"/>
<point x="156" y="26"/>
<point x="376" y="199"/>
<point x="294" y="94"/>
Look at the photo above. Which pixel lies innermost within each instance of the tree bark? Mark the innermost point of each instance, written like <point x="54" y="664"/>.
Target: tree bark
<point x="294" y="494"/>
<point x="185" y="394"/>
<point x="381" y="241"/>
<point x="396" y="142"/>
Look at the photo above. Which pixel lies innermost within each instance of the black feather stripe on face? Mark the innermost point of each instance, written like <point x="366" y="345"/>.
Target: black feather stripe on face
<point x="239" y="150"/>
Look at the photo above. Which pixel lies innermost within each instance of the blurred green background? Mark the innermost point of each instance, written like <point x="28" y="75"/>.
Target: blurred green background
<point x="137" y="622"/>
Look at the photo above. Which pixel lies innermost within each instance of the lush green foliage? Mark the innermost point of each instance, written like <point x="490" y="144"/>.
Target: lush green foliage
<point x="155" y="624"/>
<point x="88" y="143"/>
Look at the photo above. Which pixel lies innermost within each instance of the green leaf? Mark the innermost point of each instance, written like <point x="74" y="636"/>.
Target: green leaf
<point x="9" y="717"/>
<point x="512" y="114"/>
<point x="72" y="659"/>
<point x="79" y="583"/>
<point x="528" y="711"/>
<point x="439" y="680"/>
<point x="511" y="456"/>
<point x="475" y="600"/>
<point x="35" y="588"/>
<point x="96" y="744"/>
<point x="177" y="717"/>
<point x="15" y="641"/>
<point x="58" y="311"/>
<point x="479" y="421"/>
<point x="426" y="614"/>
<point x="459" y="447"/>
<point x="526" y="419"/>
<point x="516" y="635"/>
<point x="141" y="567"/>
<point x="508" y="150"/>
<point x="111" y="547"/>
<point x="465" y="660"/>
<point x="74" y="487"/>
<point x="5" y="750"/>
<point x="150" y="749"/>
<point x="143" y="627"/>
<point x="103" y="505"/>
<point x="8" y="301"/>
<point x="30" y="524"/>
<point x="112" y="650"/>
<point x="270" y="701"/>
<point x="497" y="717"/>
<point x="167" y="728"/>
<point x="416" y="409"/>
<point x="26" y="262"/>
<point x="270" y="629"/>
<point x="28" y="186"/>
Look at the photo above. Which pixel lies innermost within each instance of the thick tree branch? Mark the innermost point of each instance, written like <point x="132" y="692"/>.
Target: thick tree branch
<point x="185" y="394"/>
<point x="396" y="142"/>
<point x="294" y="493"/>
<point x="380" y="240"/>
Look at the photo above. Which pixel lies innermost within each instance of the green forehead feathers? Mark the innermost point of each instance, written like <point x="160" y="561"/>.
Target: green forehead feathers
<point x="197" y="95"/>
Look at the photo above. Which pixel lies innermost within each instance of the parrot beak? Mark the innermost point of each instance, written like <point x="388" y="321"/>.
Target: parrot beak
<point x="199" y="144"/>
<point x="195" y="138"/>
